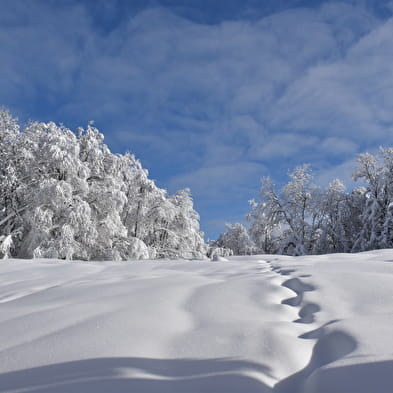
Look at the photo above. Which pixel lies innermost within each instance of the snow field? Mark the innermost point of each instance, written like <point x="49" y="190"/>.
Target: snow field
<point x="249" y="324"/>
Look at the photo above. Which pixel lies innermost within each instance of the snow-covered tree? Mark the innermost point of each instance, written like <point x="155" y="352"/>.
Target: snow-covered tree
<point x="266" y="219"/>
<point x="301" y="212"/>
<point x="215" y="252"/>
<point x="67" y="196"/>
<point x="377" y="173"/>
<point x="11" y="225"/>
<point x="331" y="236"/>
<point x="286" y="221"/>
<point x="302" y="218"/>
<point x="236" y="238"/>
<point x="387" y="231"/>
<point x="183" y="233"/>
<point x="54" y="192"/>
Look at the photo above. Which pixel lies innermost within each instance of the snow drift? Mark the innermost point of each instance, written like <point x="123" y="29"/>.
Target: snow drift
<point x="313" y="324"/>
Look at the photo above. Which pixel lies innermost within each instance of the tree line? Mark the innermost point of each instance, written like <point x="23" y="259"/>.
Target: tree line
<point x="68" y="196"/>
<point x="65" y="195"/>
<point x="301" y="218"/>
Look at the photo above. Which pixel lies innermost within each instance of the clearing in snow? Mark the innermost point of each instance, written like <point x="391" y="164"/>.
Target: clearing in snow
<point x="265" y="323"/>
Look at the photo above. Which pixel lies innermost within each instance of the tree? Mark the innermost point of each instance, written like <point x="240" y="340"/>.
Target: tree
<point x="236" y="238"/>
<point x="11" y="228"/>
<point x="67" y="196"/>
<point x="287" y="221"/>
<point x="266" y="218"/>
<point x="377" y="173"/>
<point x="187" y="238"/>
<point x="332" y="207"/>
<point x="54" y="190"/>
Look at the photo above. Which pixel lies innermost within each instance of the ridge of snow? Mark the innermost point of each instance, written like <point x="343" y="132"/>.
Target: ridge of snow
<point x="266" y="323"/>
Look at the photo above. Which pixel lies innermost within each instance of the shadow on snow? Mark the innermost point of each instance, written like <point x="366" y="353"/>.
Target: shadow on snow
<point x="136" y="375"/>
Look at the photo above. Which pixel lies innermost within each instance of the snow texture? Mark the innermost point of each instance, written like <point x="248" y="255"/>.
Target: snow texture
<point x="314" y="324"/>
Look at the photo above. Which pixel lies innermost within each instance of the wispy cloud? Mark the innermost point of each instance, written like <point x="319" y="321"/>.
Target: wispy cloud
<point x="350" y="97"/>
<point x="213" y="105"/>
<point x="221" y="183"/>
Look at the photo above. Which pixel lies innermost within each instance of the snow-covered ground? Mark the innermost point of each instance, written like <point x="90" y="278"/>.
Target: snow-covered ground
<point x="311" y="324"/>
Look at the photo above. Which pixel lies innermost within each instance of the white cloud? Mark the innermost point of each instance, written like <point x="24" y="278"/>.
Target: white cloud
<point x="342" y="171"/>
<point x="282" y="146"/>
<point x="210" y="103"/>
<point x="351" y="96"/>
<point x="221" y="182"/>
<point x="338" y="146"/>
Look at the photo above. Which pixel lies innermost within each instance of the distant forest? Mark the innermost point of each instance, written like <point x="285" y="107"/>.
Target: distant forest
<point x="302" y="218"/>
<point x="65" y="195"/>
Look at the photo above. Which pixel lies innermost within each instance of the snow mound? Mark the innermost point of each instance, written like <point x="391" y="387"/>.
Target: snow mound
<point x="217" y="258"/>
<point x="316" y="324"/>
<point x="138" y="249"/>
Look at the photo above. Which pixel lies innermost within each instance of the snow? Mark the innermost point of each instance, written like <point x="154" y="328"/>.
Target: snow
<point x="267" y="323"/>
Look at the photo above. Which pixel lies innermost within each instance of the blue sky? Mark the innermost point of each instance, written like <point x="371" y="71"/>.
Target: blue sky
<point x="211" y="95"/>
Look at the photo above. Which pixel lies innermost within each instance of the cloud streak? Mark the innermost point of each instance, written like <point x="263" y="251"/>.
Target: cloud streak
<point x="213" y="106"/>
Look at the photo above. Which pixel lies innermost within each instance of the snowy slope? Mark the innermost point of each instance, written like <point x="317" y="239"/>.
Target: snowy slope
<point x="251" y="324"/>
